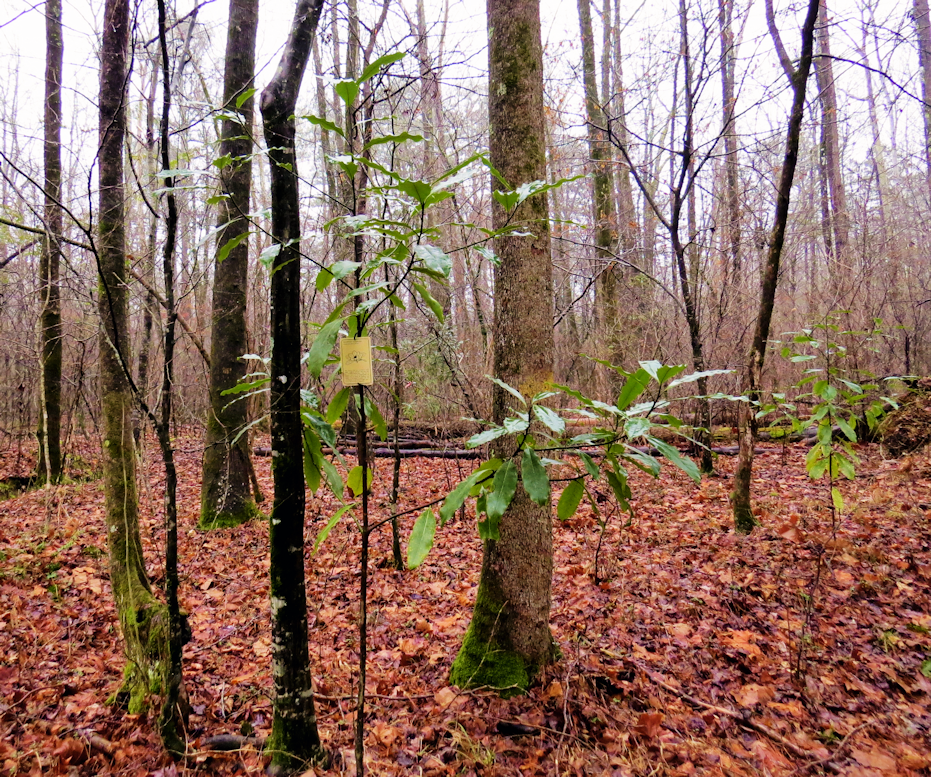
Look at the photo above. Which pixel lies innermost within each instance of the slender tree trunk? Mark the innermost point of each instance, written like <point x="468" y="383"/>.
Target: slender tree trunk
<point x="294" y="740"/>
<point x="142" y="618"/>
<point x="923" y="30"/>
<point x="824" y="72"/>
<point x="740" y="496"/>
<point x="49" y="467"/>
<point x="509" y="639"/>
<point x="608" y="288"/>
<point x="226" y="497"/>
<point x="732" y="232"/>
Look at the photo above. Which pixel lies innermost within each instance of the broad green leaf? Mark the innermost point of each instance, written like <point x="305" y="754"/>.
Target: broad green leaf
<point x="692" y="377"/>
<point x="242" y="387"/>
<point x="324" y="123"/>
<point x="321" y="428"/>
<point x="434" y="259"/>
<point x="324" y="278"/>
<point x="489" y="529"/>
<point x="374" y="415"/>
<point x="269" y="254"/>
<point x="343" y="268"/>
<point x="620" y="487"/>
<point x="503" y="487"/>
<point x="416" y="190"/>
<point x="516" y="424"/>
<point x="404" y="137"/>
<point x="312" y="457"/>
<point x="590" y="466"/>
<point x="222" y="161"/>
<point x="421" y="539"/>
<point x="847" y="429"/>
<point x="633" y="388"/>
<point x="489" y="468"/>
<point x="510" y="389"/>
<point x="569" y="499"/>
<point x="229" y="245"/>
<point x="534" y="477"/>
<point x="427" y="297"/>
<point x="338" y="404"/>
<point x="550" y="418"/>
<point x="325" y="531"/>
<point x="354" y="480"/>
<point x="347" y="91"/>
<point x="837" y="500"/>
<point x="845" y="466"/>
<point x="682" y="462"/>
<point x="323" y="345"/>
<point x="483" y="438"/>
<point x="241" y="100"/>
<point x="378" y="64"/>
<point x="334" y="481"/>
<point x="642" y="461"/>
<point x="458" y="495"/>
<point x="652" y="368"/>
<point x="637" y="426"/>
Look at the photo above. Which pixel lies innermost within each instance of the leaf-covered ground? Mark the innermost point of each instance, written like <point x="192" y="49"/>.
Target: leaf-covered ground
<point x="686" y="651"/>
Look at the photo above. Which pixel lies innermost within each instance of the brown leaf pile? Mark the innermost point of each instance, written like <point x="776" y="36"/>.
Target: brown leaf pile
<point x="693" y="651"/>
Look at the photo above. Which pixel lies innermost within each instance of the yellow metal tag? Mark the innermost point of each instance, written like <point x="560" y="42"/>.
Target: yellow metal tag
<point x="355" y="355"/>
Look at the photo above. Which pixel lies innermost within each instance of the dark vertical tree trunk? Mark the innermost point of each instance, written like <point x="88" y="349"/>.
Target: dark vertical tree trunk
<point x="740" y="496"/>
<point x="509" y="639"/>
<point x="49" y="467"/>
<point x="923" y="30"/>
<point x="294" y="739"/>
<point x="142" y="618"/>
<point x="226" y="497"/>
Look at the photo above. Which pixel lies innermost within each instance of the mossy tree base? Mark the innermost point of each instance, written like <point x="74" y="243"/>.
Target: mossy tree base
<point x="224" y="520"/>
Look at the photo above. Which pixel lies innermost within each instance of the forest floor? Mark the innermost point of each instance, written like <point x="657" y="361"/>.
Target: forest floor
<point x="799" y="650"/>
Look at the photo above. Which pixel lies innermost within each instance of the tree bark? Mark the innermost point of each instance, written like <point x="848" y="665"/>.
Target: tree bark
<point x="49" y="433"/>
<point x="509" y="639"/>
<point x="226" y="496"/>
<point x="740" y="496"/>
<point x="732" y="231"/>
<point x="142" y="617"/>
<point x="839" y="217"/>
<point x="294" y="740"/>
<point x="923" y="30"/>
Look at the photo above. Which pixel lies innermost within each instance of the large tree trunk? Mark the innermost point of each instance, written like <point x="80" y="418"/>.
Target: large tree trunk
<point x="294" y="739"/>
<point x="142" y="617"/>
<point x="49" y="467"/>
<point x="226" y="497"/>
<point x="731" y="233"/>
<point x="740" y="496"/>
<point x="509" y="638"/>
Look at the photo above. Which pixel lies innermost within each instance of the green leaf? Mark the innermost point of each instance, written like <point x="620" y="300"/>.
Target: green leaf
<point x="503" y="486"/>
<point x="374" y="415"/>
<point x="334" y="481"/>
<point x="692" y="377"/>
<point x="620" y="487"/>
<point x="421" y="539"/>
<point x="321" y="428"/>
<point x="510" y="389"/>
<point x="642" y="461"/>
<point x="323" y="345"/>
<point x="324" y="123"/>
<point x="416" y="190"/>
<point x="837" y="500"/>
<point x="222" y="161"/>
<point x="845" y="466"/>
<point x="636" y="426"/>
<point x="550" y="418"/>
<point x="347" y="91"/>
<point x="489" y="529"/>
<point x="338" y="404"/>
<point x="354" y="480"/>
<point x="325" y="531"/>
<point x="926" y="668"/>
<point x="483" y="438"/>
<point x="269" y="254"/>
<point x="241" y="100"/>
<point x="378" y="64"/>
<point x="590" y="466"/>
<point x="343" y="268"/>
<point x="324" y="278"/>
<point x="434" y="259"/>
<point x="242" y="387"/>
<point x="533" y="474"/>
<point x="569" y="499"/>
<point x="404" y="137"/>
<point x="427" y="297"/>
<point x="458" y="495"/>
<point x="312" y="457"/>
<point x="633" y="388"/>
<point x="847" y="429"/>
<point x="682" y="462"/>
<point x="229" y="245"/>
